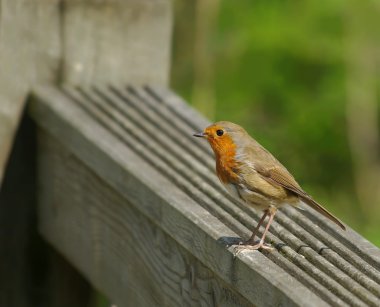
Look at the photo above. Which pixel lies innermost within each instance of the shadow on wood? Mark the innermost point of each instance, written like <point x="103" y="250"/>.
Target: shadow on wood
<point x="32" y="274"/>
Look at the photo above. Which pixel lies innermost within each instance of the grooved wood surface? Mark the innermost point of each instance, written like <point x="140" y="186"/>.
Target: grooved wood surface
<point x="118" y="248"/>
<point x="138" y="140"/>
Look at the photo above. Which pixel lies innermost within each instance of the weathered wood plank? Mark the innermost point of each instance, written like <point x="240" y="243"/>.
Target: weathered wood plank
<point x="77" y="42"/>
<point x="114" y="41"/>
<point x="119" y="249"/>
<point x="120" y="160"/>
<point x="128" y="140"/>
<point x="29" y="54"/>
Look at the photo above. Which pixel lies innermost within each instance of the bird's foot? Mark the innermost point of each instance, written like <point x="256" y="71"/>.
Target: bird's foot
<point x="249" y="245"/>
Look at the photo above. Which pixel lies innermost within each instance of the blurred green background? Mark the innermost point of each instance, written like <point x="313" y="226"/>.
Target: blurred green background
<point x="302" y="78"/>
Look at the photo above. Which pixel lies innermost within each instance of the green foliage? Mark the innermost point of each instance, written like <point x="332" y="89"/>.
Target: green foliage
<point x="280" y="72"/>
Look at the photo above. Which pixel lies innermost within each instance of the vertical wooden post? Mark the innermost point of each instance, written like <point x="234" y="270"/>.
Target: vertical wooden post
<point x="29" y="54"/>
<point x="49" y="42"/>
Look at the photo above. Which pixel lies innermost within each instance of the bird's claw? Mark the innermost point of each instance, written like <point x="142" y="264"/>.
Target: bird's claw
<point x="247" y="246"/>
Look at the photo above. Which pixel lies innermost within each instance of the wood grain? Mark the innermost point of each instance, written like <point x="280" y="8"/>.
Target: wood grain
<point x="120" y="250"/>
<point x="29" y="54"/>
<point x="121" y="163"/>
<point x="138" y="141"/>
<point x="114" y="42"/>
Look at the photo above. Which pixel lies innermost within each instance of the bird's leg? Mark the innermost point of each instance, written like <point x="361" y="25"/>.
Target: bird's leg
<point x="271" y="216"/>
<point x="271" y="211"/>
<point x="251" y="240"/>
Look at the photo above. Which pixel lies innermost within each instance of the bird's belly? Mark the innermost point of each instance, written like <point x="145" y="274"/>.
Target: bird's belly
<point x="252" y="199"/>
<point x="257" y="200"/>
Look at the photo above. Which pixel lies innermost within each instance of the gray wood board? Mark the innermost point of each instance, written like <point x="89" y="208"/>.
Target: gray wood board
<point x="133" y="139"/>
<point x="29" y="53"/>
<point x="113" y="41"/>
<point x="125" y="254"/>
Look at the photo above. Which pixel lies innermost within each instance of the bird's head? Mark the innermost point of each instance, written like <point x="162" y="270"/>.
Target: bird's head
<point x="223" y="136"/>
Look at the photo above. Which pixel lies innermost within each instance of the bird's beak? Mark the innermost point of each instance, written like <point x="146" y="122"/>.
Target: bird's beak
<point x="200" y="134"/>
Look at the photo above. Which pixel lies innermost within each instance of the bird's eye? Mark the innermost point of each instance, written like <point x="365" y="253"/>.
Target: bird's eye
<point x="219" y="132"/>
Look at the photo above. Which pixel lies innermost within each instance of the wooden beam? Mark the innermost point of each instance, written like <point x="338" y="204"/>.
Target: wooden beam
<point x="117" y="247"/>
<point x="137" y="141"/>
<point x="175" y="212"/>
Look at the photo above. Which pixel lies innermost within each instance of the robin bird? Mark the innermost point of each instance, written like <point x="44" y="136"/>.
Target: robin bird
<point x="255" y="176"/>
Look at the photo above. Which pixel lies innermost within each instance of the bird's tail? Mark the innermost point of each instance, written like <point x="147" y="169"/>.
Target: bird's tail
<point x="317" y="207"/>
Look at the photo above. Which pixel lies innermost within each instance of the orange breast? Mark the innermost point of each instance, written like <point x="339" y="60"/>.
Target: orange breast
<point x="225" y="170"/>
<point x="226" y="165"/>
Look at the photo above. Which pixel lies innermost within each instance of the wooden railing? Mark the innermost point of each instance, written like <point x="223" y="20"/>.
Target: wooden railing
<point x="131" y="200"/>
<point x="124" y="199"/>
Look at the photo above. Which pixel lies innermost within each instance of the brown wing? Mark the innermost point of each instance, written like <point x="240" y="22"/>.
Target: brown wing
<point x="271" y="169"/>
<point x="275" y="173"/>
<point x="280" y="176"/>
